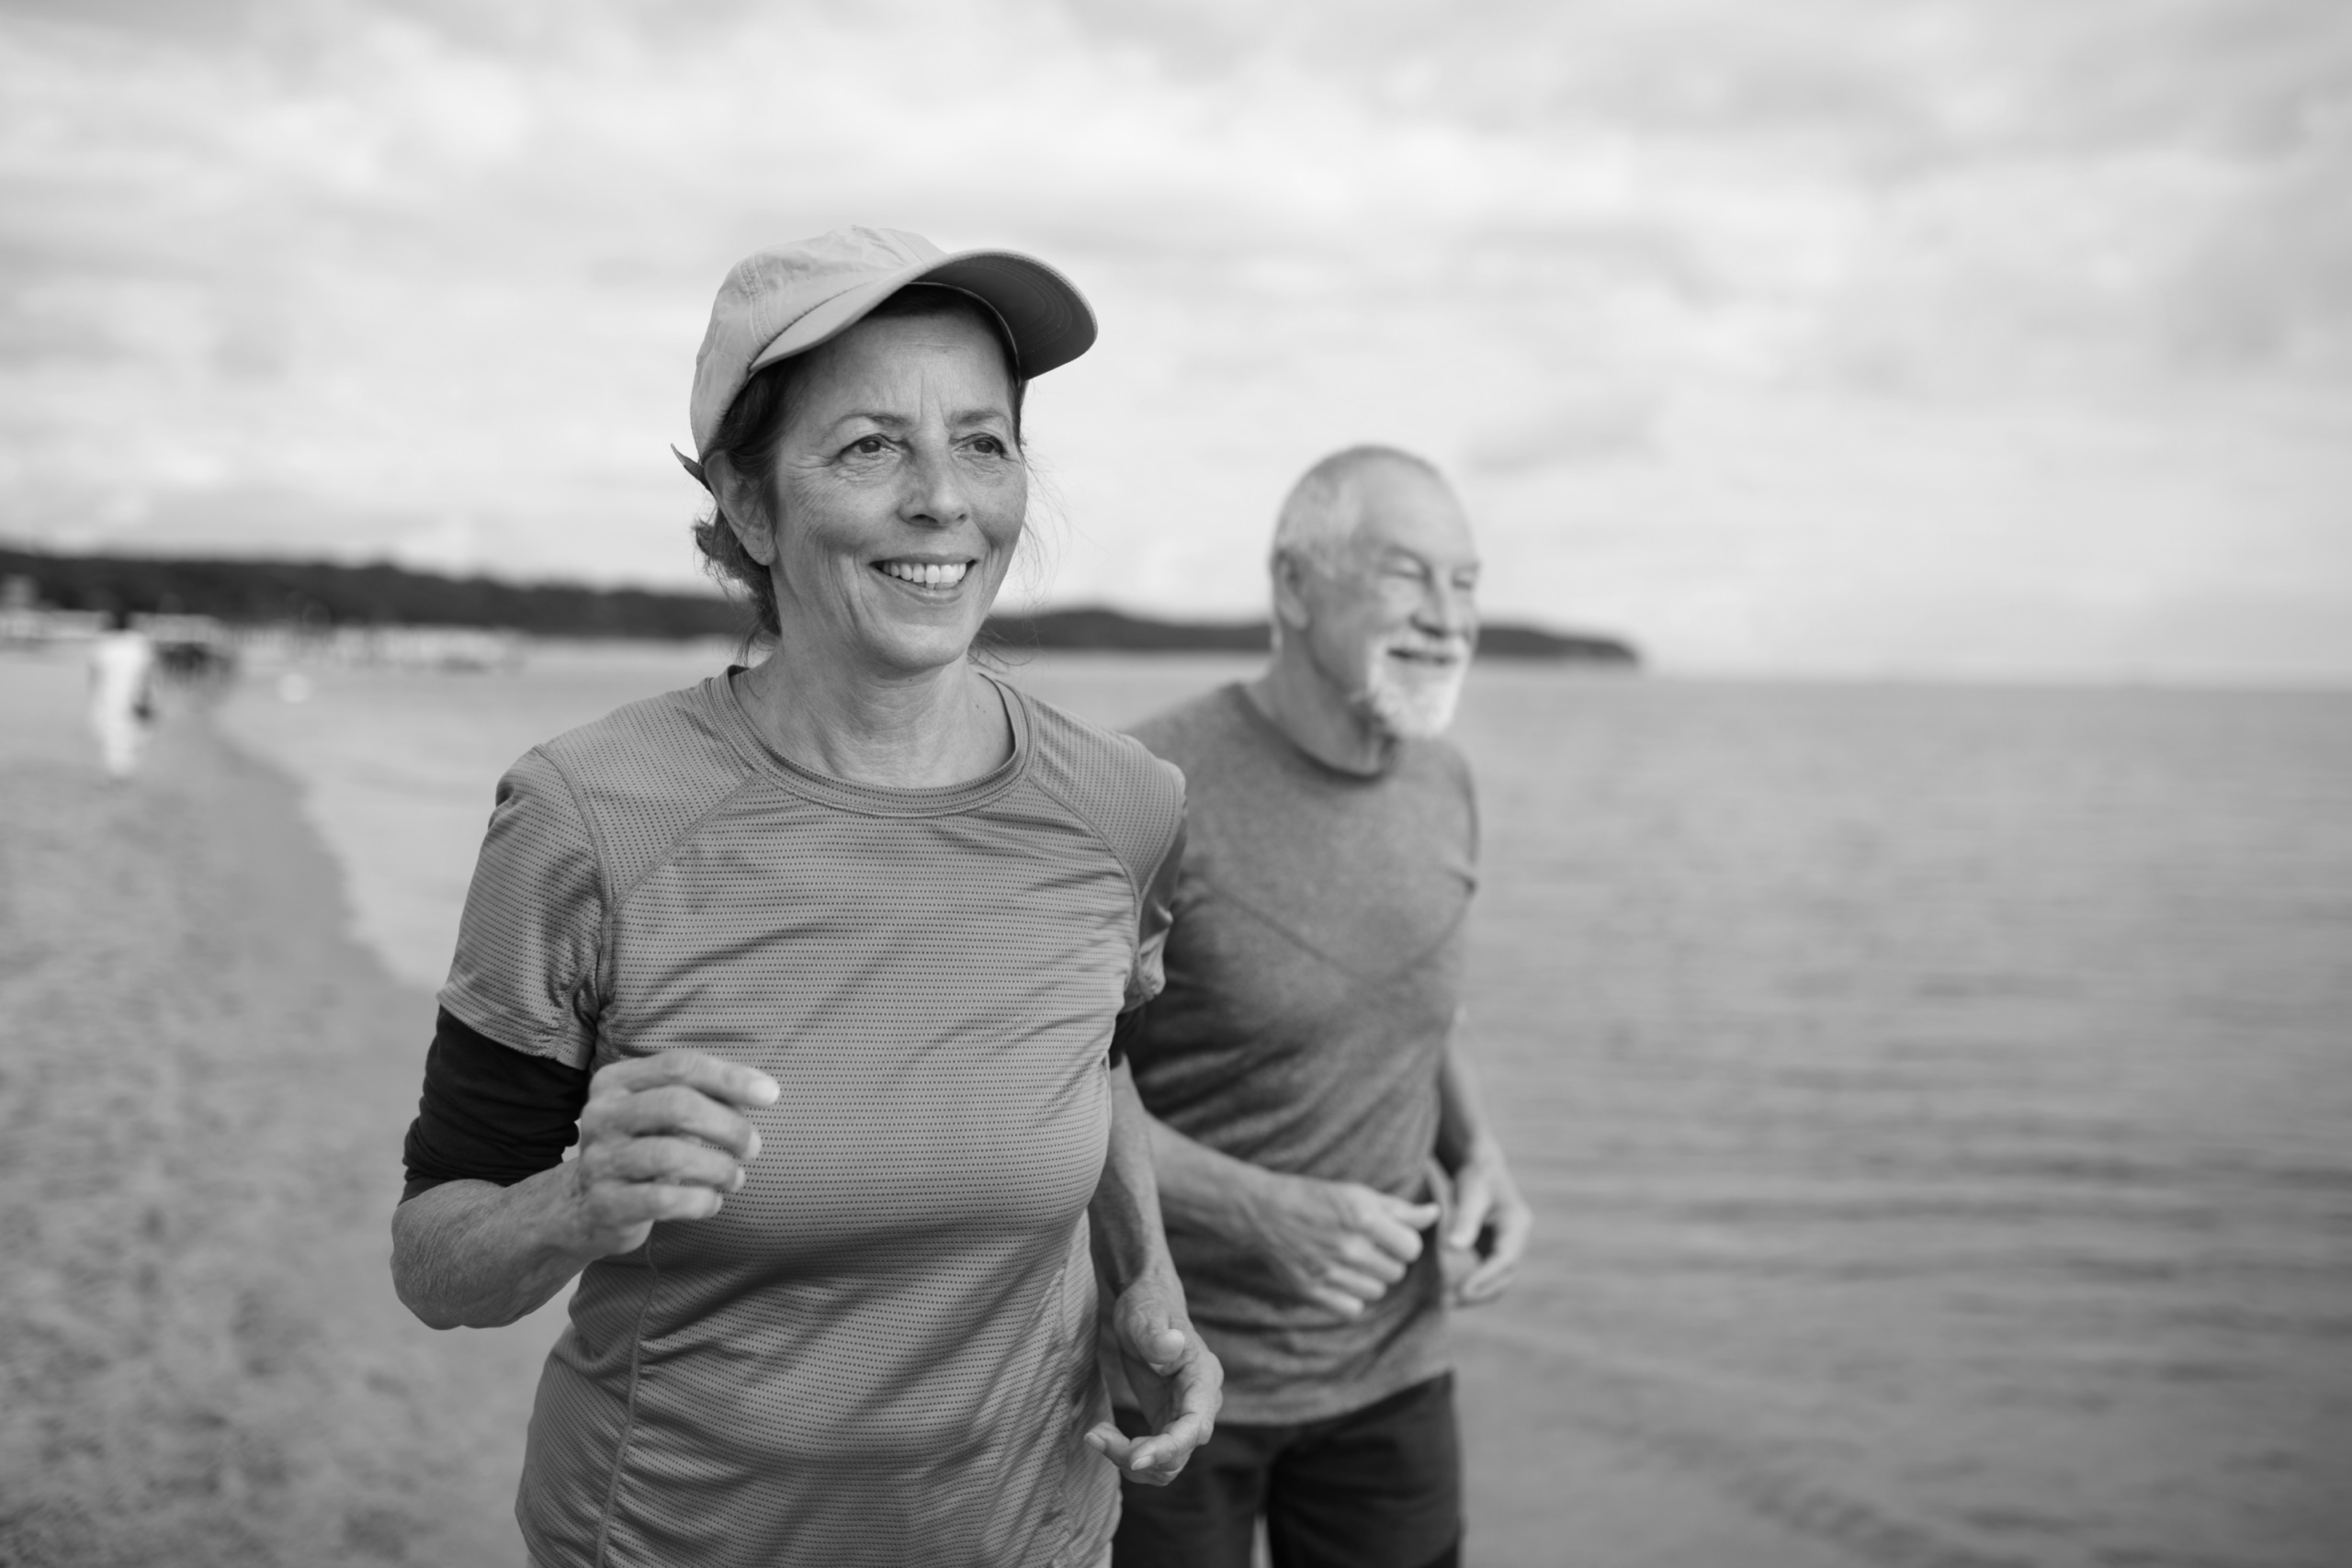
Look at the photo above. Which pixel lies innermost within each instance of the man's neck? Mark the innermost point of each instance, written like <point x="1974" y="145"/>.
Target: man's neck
<point x="1305" y="705"/>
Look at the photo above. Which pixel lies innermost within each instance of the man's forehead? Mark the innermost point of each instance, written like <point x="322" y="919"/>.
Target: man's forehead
<point x="1400" y="506"/>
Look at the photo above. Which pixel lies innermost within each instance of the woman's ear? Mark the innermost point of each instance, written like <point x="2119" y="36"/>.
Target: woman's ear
<point x="742" y="507"/>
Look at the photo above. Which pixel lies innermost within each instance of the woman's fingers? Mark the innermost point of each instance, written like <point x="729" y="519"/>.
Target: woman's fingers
<point x="673" y="1160"/>
<point x="620" y="1205"/>
<point x="1158" y="1459"/>
<point x="731" y="1083"/>
<point x="664" y="1137"/>
<point x="1155" y="1459"/>
<point x="1175" y="1378"/>
<point x="674" y="1110"/>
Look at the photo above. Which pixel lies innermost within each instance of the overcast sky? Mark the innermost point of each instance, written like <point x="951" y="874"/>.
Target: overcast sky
<point x="1828" y="335"/>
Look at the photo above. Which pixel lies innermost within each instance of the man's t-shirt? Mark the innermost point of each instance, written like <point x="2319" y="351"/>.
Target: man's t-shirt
<point x="882" y="1349"/>
<point x="1314" y="970"/>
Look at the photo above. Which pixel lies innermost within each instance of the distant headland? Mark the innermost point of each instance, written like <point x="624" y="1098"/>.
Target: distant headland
<point x="328" y="596"/>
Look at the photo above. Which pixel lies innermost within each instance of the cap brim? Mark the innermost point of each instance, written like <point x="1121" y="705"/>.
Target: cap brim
<point x="1048" y="319"/>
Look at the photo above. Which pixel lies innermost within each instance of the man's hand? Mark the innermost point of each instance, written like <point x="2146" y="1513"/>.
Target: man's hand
<point x="1339" y="1244"/>
<point x="662" y="1137"/>
<point x="1486" y="1234"/>
<point x="1173" y="1377"/>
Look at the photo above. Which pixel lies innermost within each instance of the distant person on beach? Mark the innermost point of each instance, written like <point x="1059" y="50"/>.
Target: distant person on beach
<point x="820" y="961"/>
<point x="1328" y="1176"/>
<point x="122" y="694"/>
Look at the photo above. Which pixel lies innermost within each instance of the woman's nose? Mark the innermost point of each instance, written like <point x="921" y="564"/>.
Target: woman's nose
<point x="936" y="492"/>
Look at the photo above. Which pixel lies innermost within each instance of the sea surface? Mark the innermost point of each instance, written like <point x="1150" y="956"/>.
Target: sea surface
<point x="1938" y="1101"/>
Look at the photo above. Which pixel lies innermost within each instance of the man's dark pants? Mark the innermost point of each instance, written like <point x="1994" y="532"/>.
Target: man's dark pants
<point x="1379" y="1487"/>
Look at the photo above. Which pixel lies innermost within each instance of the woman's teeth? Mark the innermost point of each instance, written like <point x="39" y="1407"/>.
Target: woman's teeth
<point x="927" y="574"/>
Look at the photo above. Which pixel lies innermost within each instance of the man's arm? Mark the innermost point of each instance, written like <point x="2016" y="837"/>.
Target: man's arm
<point x="1340" y="1243"/>
<point x="1491" y="1221"/>
<point x="1167" y="1365"/>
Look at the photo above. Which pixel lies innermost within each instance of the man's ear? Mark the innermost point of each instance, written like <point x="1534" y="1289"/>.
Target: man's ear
<point x="742" y="505"/>
<point x="1291" y="573"/>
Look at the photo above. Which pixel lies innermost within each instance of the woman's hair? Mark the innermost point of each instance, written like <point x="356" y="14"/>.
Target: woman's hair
<point x="753" y="427"/>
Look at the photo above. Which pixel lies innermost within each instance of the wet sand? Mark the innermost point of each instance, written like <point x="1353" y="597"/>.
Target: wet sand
<point x="203" y="1085"/>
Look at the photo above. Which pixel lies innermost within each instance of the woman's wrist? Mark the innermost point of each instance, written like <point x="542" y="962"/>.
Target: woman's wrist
<point x="1155" y="1276"/>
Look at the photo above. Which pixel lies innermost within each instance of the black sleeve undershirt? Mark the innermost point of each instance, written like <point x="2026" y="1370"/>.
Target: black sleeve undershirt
<point x="488" y="1113"/>
<point x="1123" y="1034"/>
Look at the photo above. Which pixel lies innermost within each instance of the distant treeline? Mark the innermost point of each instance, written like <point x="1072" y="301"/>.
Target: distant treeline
<point x="321" y="595"/>
<point x="317" y="593"/>
<point x="1098" y="628"/>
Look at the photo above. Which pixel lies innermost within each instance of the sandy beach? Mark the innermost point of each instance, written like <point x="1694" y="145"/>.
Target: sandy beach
<point x="202" y="1091"/>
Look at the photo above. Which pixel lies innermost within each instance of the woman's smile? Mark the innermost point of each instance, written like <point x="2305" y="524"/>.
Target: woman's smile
<point x="934" y="578"/>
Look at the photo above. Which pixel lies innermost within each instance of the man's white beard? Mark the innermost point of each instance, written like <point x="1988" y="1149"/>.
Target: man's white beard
<point x="1410" y="700"/>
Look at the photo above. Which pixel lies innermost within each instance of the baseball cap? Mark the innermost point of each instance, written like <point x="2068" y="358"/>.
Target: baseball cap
<point x="788" y="298"/>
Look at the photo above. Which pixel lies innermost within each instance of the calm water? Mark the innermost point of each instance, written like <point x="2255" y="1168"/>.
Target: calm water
<point x="1938" y="1102"/>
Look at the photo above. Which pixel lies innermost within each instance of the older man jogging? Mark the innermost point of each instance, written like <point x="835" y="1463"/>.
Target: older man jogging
<point x="1311" y="1111"/>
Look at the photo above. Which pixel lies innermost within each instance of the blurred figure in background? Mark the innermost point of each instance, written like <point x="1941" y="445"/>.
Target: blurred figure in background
<point x="1326" y="1170"/>
<point x="122" y="694"/>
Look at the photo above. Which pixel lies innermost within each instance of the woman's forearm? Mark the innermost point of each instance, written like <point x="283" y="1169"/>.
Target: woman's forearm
<point x="1129" y="1244"/>
<point x="472" y="1255"/>
<point x="477" y="1255"/>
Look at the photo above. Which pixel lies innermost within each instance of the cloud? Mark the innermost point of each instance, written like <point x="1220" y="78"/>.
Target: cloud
<point x="1739" y="327"/>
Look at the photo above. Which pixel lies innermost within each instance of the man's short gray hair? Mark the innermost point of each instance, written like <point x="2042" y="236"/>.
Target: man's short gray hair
<point x="1324" y="506"/>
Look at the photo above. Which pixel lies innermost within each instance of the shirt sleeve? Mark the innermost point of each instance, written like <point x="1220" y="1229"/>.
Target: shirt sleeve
<point x="488" y="1113"/>
<point x="524" y="973"/>
<point x="1124" y="1033"/>
<point x="1156" y="915"/>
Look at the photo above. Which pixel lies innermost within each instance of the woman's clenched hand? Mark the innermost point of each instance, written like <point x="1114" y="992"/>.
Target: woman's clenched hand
<point x="662" y="1137"/>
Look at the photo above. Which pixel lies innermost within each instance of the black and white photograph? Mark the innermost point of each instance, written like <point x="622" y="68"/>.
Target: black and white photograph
<point x="1172" y="784"/>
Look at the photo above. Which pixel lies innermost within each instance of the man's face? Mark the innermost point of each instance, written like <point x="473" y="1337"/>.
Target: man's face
<point x="1394" y="614"/>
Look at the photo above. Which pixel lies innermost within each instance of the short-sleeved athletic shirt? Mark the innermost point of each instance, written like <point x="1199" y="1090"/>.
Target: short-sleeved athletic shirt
<point x="1314" y="973"/>
<point x="882" y="1349"/>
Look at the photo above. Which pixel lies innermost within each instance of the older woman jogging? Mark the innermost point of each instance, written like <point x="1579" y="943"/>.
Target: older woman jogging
<point x="820" y="961"/>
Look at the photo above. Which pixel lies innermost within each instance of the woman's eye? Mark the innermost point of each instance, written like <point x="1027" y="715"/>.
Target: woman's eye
<point x="989" y="444"/>
<point x="869" y="446"/>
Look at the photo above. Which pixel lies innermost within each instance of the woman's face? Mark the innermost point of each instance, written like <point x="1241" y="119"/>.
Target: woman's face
<point x="898" y="494"/>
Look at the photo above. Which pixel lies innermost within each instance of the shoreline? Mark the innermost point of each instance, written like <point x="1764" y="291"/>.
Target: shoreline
<point x="201" y="1359"/>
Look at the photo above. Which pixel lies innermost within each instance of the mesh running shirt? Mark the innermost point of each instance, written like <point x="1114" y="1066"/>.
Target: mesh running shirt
<point x="1313" y="976"/>
<point x="882" y="1349"/>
